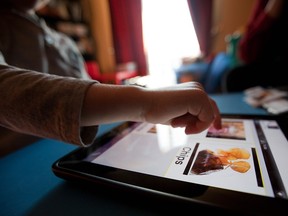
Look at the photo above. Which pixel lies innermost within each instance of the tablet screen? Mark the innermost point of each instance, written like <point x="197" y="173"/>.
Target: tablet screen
<point x="242" y="167"/>
<point x="246" y="155"/>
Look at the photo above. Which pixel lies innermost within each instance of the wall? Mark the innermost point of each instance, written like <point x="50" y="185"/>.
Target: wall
<point x="228" y="17"/>
<point x="99" y="18"/>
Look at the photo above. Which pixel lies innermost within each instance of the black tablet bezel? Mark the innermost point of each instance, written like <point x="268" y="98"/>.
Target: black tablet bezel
<point x="72" y="167"/>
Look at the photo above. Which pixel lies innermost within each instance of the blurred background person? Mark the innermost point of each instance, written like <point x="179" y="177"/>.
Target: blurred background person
<point x="27" y="42"/>
<point x="262" y="49"/>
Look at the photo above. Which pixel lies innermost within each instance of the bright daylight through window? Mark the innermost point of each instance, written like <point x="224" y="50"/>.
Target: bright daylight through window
<point x="169" y="35"/>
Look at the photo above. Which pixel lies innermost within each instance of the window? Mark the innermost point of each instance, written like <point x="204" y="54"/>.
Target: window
<point x="169" y="35"/>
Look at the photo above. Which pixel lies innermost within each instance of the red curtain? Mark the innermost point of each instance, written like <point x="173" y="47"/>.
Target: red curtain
<point x="201" y="13"/>
<point x="126" y="18"/>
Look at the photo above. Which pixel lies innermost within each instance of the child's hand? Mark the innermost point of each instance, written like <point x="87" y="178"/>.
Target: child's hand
<point x="183" y="105"/>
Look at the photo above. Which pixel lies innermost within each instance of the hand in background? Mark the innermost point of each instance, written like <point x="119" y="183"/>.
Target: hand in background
<point x="274" y="8"/>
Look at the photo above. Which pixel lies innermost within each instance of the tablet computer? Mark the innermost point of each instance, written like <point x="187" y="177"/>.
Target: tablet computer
<point x="242" y="167"/>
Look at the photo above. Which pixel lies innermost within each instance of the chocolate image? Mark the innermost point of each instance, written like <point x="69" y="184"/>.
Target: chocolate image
<point x="206" y="162"/>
